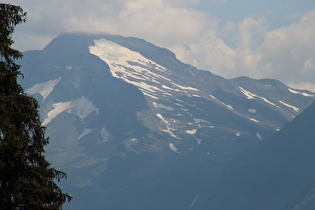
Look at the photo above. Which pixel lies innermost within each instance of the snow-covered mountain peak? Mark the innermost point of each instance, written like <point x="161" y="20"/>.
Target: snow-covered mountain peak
<point x="122" y="111"/>
<point x="116" y="54"/>
<point x="151" y="78"/>
<point x="163" y="87"/>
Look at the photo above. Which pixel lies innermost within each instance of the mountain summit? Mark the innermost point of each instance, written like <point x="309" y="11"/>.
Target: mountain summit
<point x="135" y="128"/>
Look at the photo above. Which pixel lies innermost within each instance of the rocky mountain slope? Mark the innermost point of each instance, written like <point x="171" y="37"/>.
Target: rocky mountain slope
<point x="135" y="128"/>
<point x="276" y="174"/>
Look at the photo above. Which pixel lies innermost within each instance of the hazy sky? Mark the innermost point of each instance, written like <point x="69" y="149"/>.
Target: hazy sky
<point x="259" y="39"/>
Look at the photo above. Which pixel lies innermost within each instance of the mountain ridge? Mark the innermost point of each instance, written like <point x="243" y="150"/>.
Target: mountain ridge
<point x="131" y="114"/>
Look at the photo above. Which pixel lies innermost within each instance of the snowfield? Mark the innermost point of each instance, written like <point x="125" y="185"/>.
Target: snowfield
<point x="135" y="69"/>
<point x="81" y="107"/>
<point x="44" y="88"/>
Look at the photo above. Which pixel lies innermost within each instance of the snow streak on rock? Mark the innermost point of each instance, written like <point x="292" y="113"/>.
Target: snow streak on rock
<point x="250" y="95"/>
<point x="259" y="136"/>
<point x="228" y="106"/>
<point x="168" y="129"/>
<point x="254" y="120"/>
<point x="290" y="106"/>
<point x="298" y="92"/>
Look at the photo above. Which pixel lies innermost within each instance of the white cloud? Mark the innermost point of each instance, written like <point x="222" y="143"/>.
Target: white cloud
<point x="308" y="65"/>
<point x="247" y="57"/>
<point x="160" y="21"/>
<point x="207" y="52"/>
<point x="248" y="30"/>
<point x="288" y="53"/>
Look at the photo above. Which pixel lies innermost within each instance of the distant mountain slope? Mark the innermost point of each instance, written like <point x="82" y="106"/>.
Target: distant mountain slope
<point x="127" y="119"/>
<point x="276" y="174"/>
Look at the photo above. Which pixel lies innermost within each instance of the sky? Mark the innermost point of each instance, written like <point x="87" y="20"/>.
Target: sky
<point x="230" y="38"/>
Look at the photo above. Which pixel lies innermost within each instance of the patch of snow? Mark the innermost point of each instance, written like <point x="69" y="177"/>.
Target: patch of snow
<point x="69" y="67"/>
<point x="198" y="121"/>
<point x="129" y="142"/>
<point x="173" y="148"/>
<point x="254" y="120"/>
<point x="134" y="140"/>
<point x="253" y="111"/>
<point x="250" y="95"/>
<point x="167" y="87"/>
<point x="259" y="136"/>
<point x="162" y="106"/>
<point x="185" y="87"/>
<point x="168" y="129"/>
<point x="83" y="107"/>
<point x="105" y="134"/>
<point x="44" y="88"/>
<point x="145" y="87"/>
<point x="151" y="96"/>
<point x="298" y="92"/>
<point x="290" y="106"/>
<point x="189" y="104"/>
<point x="228" y="106"/>
<point x="85" y="132"/>
<point x="192" y="132"/>
<point x="57" y="109"/>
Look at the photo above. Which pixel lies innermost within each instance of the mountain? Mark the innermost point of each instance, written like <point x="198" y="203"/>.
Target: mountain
<point x="135" y="128"/>
<point x="276" y="174"/>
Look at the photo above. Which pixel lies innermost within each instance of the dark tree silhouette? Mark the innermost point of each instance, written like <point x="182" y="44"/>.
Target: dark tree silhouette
<point x="27" y="180"/>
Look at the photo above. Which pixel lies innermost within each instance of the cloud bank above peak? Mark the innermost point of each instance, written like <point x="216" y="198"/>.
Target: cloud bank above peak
<point x="235" y="44"/>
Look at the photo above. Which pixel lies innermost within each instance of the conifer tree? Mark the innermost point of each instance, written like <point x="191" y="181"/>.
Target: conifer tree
<point x="27" y="180"/>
